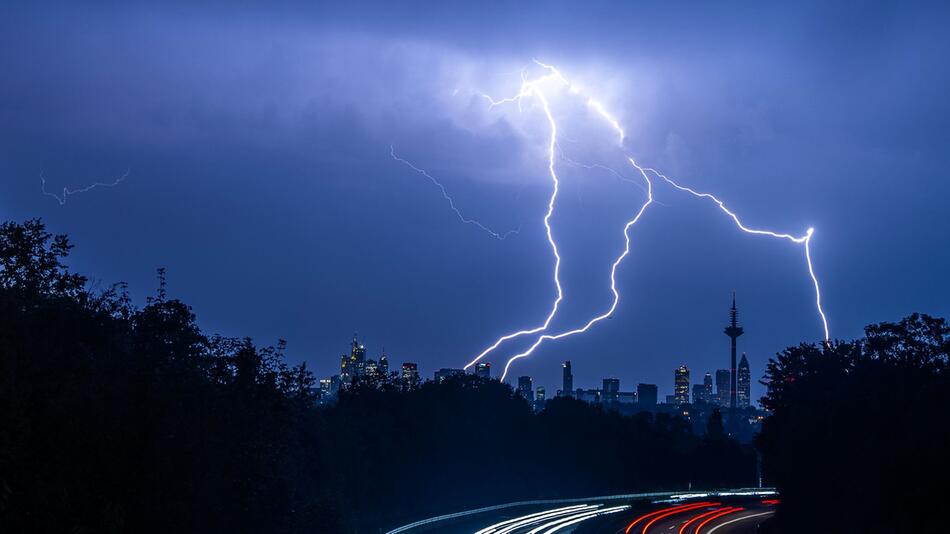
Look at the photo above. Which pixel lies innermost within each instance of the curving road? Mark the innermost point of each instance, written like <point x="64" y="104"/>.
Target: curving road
<point x="728" y="512"/>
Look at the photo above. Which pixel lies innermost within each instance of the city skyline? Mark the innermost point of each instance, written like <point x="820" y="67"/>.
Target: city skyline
<point x="732" y="385"/>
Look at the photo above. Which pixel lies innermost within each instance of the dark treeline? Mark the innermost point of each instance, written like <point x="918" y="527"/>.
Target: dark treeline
<point x="860" y="431"/>
<point x="115" y="418"/>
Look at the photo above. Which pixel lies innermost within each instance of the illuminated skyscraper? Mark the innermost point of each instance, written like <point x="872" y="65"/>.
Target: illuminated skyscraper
<point x="733" y="331"/>
<point x="384" y="364"/>
<point x="410" y="375"/>
<point x="722" y="387"/>
<point x="681" y="385"/>
<point x="567" y="379"/>
<point x="708" y="388"/>
<point x="357" y="357"/>
<point x="525" y="387"/>
<point x="483" y="370"/>
<point x="611" y="390"/>
<point x="539" y="394"/>
<point x="744" y="395"/>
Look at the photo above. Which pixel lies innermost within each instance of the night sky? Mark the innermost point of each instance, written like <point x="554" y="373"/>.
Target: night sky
<point x="257" y="139"/>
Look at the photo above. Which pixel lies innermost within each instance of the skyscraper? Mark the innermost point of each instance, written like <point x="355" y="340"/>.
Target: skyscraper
<point x="744" y="395"/>
<point x="357" y="357"/>
<point x="646" y="396"/>
<point x="611" y="390"/>
<point x="733" y="331"/>
<point x="525" y="387"/>
<point x="567" y="386"/>
<point x="708" y="388"/>
<point x="699" y="394"/>
<point x="384" y="364"/>
<point x="539" y="394"/>
<point x="483" y="370"/>
<point x="410" y="375"/>
<point x="722" y="387"/>
<point x="681" y="385"/>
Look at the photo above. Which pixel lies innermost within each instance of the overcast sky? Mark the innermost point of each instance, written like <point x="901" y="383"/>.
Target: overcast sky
<point x="257" y="136"/>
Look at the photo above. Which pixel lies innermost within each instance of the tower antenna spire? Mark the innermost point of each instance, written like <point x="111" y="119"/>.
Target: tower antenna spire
<point x="733" y="331"/>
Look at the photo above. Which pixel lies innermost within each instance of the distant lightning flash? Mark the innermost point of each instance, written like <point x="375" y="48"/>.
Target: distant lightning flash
<point x="448" y="198"/>
<point x="531" y="88"/>
<point x="67" y="192"/>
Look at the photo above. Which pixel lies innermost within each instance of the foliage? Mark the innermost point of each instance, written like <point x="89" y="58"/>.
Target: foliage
<point x="859" y="429"/>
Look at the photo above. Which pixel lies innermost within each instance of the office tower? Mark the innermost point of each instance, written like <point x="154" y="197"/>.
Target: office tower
<point x="699" y="394"/>
<point x="325" y="384"/>
<point x="483" y="370"/>
<point x="744" y="380"/>
<point x="384" y="364"/>
<point x="708" y="388"/>
<point x="681" y="385"/>
<point x="611" y="390"/>
<point x="646" y="396"/>
<point x="722" y="387"/>
<point x="733" y="331"/>
<point x="525" y="387"/>
<point x="539" y="394"/>
<point x="410" y="374"/>
<point x="357" y="358"/>
<point x="567" y="387"/>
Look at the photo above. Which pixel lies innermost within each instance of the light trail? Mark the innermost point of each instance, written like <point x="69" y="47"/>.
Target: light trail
<point x="668" y="514"/>
<point x="554" y="526"/>
<point x="736" y="520"/>
<point x="517" y="522"/>
<point x="673" y="509"/>
<point x="700" y="517"/>
<point x="804" y="239"/>
<point x="497" y="235"/>
<point x="710" y="519"/>
<point x="531" y="88"/>
<point x="67" y="192"/>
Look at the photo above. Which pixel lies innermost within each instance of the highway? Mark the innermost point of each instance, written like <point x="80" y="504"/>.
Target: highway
<point x="727" y="512"/>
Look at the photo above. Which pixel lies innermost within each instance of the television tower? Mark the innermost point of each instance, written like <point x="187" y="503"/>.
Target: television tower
<point x="733" y="331"/>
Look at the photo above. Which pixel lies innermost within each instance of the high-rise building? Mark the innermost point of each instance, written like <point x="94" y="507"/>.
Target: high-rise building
<point x="708" y="388"/>
<point x="525" y="387"/>
<point x="567" y="387"/>
<point x="483" y="370"/>
<point x="744" y="380"/>
<point x="681" y="385"/>
<point x="444" y="373"/>
<point x="733" y="331"/>
<point x="410" y="375"/>
<point x="539" y="394"/>
<point x="325" y="384"/>
<point x="357" y="357"/>
<point x="384" y="364"/>
<point x="611" y="390"/>
<point x="722" y="387"/>
<point x="699" y="394"/>
<point x="646" y="396"/>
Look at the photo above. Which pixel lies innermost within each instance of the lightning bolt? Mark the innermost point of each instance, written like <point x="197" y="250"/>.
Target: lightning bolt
<point x="531" y="88"/>
<point x="800" y="240"/>
<point x="67" y="192"/>
<point x="448" y="198"/>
